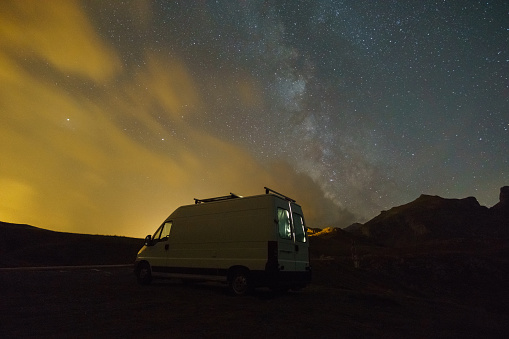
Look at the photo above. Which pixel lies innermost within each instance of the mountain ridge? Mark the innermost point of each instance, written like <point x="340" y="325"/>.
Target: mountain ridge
<point x="430" y="217"/>
<point x="441" y="247"/>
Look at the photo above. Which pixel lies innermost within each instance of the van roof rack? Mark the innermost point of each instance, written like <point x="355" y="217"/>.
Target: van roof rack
<point x="268" y="190"/>
<point x="226" y="197"/>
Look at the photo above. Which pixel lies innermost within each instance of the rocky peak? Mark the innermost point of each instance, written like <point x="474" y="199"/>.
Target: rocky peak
<point x="503" y="205"/>
<point x="504" y="195"/>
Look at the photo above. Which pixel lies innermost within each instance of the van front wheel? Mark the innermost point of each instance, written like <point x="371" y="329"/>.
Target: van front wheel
<point x="239" y="282"/>
<point x="143" y="274"/>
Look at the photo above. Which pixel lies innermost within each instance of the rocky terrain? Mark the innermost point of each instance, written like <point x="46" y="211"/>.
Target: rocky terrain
<point x="452" y="248"/>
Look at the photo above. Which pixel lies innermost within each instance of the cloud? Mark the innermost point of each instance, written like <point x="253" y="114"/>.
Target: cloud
<point x="59" y="33"/>
<point x="14" y="195"/>
<point x="319" y="210"/>
<point x="118" y="159"/>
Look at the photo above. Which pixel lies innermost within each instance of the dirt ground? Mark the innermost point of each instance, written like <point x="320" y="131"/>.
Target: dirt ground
<point x="107" y="302"/>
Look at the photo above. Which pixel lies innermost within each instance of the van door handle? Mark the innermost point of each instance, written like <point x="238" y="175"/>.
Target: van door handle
<point x="296" y="248"/>
<point x="166" y="246"/>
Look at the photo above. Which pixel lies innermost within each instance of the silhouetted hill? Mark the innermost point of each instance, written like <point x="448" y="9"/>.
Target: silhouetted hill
<point x="330" y="242"/>
<point x="431" y="218"/>
<point x="24" y="245"/>
<point x="334" y="242"/>
<point x="454" y="248"/>
<point x="353" y="227"/>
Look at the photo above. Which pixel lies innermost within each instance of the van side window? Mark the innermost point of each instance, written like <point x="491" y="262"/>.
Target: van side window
<point x="300" y="230"/>
<point x="283" y="221"/>
<point x="157" y="235"/>
<point x="163" y="232"/>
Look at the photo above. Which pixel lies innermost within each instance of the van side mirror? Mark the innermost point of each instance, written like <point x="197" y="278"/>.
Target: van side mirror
<point x="148" y="240"/>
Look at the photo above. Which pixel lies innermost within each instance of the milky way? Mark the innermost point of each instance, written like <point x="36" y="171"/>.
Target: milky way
<point x="116" y="113"/>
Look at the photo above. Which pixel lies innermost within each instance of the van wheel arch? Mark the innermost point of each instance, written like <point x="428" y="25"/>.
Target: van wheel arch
<point x="239" y="280"/>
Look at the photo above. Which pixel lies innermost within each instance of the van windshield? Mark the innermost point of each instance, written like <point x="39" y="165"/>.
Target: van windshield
<point x="300" y="229"/>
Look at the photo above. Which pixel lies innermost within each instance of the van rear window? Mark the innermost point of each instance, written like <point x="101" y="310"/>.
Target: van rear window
<point x="300" y="230"/>
<point x="284" y="228"/>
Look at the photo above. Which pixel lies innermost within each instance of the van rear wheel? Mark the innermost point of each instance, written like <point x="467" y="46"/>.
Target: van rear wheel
<point x="239" y="282"/>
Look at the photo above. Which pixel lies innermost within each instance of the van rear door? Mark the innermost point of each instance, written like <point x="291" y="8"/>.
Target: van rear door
<point x="301" y="244"/>
<point x="286" y="245"/>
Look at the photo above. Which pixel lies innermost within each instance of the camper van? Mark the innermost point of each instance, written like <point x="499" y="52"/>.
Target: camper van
<point x="246" y="242"/>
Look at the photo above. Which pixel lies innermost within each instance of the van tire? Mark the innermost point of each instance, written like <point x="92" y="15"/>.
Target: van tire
<point x="239" y="282"/>
<point x="144" y="274"/>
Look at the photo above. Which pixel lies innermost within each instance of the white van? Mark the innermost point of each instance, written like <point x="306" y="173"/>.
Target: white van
<point x="244" y="241"/>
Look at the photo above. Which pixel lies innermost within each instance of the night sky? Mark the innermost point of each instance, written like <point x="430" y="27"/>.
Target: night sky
<point x="114" y="113"/>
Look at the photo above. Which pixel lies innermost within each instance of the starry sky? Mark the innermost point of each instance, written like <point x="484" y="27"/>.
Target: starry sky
<point x="114" y="113"/>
